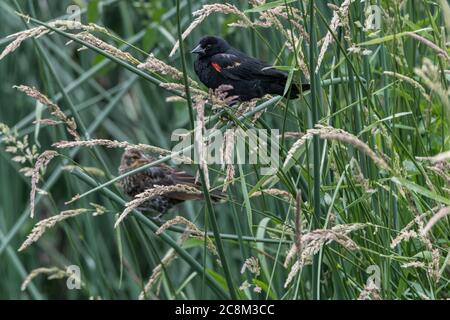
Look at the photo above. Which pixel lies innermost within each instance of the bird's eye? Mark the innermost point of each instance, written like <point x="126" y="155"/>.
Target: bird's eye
<point x="208" y="46"/>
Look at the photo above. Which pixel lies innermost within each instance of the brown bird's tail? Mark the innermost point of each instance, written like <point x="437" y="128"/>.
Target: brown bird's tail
<point x="277" y="87"/>
<point x="182" y="177"/>
<point x="217" y="195"/>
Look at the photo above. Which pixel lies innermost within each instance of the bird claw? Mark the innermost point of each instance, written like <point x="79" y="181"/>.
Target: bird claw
<point x="159" y="219"/>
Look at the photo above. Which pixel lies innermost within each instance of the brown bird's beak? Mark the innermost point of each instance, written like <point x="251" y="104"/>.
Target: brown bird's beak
<point x="198" y="49"/>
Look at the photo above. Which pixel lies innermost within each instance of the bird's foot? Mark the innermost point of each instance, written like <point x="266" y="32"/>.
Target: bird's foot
<point x="158" y="219"/>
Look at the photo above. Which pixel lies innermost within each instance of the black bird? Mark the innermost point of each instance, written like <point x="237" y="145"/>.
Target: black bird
<point x="161" y="175"/>
<point x="218" y="64"/>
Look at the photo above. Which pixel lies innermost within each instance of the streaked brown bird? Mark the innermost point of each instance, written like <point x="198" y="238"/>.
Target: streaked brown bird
<point x="161" y="175"/>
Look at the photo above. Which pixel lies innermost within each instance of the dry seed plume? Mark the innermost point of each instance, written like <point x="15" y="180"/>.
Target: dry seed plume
<point x="55" y="110"/>
<point x="119" y="144"/>
<point x="409" y="80"/>
<point x="100" y="44"/>
<point x="441" y="214"/>
<point x="273" y="192"/>
<point x="336" y="21"/>
<point x="330" y="133"/>
<point x="441" y="157"/>
<point x="313" y="241"/>
<point x="151" y="193"/>
<point x="41" y="163"/>
<point x="40" y="227"/>
<point x="370" y="292"/>
<point x="53" y="273"/>
<point x="155" y="65"/>
<point x="440" y="52"/>
<point x="202" y="14"/>
<point x="165" y="262"/>
<point x="252" y="265"/>
<point x="191" y="229"/>
<point x="37" y="32"/>
<point x="200" y="129"/>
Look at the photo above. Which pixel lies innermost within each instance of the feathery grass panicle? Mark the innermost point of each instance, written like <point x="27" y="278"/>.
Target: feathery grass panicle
<point x="430" y="75"/>
<point x="292" y="135"/>
<point x="273" y="192"/>
<point x="411" y="81"/>
<point x="158" y="270"/>
<point x="314" y="240"/>
<point x="413" y="264"/>
<point x="91" y="143"/>
<point x="440" y="52"/>
<point x="336" y="21"/>
<point x="268" y="18"/>
<point x="298" y="224"/>
<point x="199" y="106"/>
<point x="151" y="193"/>
<point x="441" y="157"/>
<point x="40" y="165"/>
<point x="370" y="291"/>
<point x="118" y="144"/>
<point x="53" y="273"/>
<point x="40" y="31"/>
<point x="48" y="122"/>
<point x="20" y="149"/>
<point x="252" y="265"/>
<point x="441" y="214"/>
<point x="191" y="229"/>
<point x="227" y="153"/>
<point x="179" y="88"/>
<point x="172" y="99"/>
<point x="354" y="49"/>
<point x="297" y="144"/>
<point x="55" y="110"/>
<point x="330" y="133"/>
<point x="404" y="235"/>
<point x="100" y="44"/>
<point x="422" y="234"/>
<point x="40" y="227"/>
<point x="203" y="13"/>
<point x="155" y="65"/>
<point x="247" y="106"/>
<point x="220" y="96"/>
<point x="170" y="256"/>
<point x="348" y="138"/>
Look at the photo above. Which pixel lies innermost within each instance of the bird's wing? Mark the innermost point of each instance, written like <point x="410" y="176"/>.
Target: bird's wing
<point x="183" y="177"/>
<point x="237" y="66"/>
<point x="174" y="177"/>
<point x="165" y="175"/>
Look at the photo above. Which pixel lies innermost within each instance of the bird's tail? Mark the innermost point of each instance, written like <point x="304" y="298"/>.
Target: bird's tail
<point x="218" y="196"/>
<point x="278" y="88"/>
<point x="294" y="91"/>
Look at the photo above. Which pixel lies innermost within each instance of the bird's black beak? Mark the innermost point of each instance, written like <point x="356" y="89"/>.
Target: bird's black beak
<point x="198" y="49"/>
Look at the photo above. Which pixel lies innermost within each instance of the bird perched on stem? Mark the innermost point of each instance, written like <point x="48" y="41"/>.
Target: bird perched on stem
<point x="218" y="64"/>
<point x="158" y="175"/>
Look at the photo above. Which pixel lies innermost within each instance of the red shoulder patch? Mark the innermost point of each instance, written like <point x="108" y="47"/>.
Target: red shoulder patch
<point x="216" y="66"/>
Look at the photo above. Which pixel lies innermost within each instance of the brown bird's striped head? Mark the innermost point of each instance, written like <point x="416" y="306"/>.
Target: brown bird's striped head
<point x="132" y="159"/>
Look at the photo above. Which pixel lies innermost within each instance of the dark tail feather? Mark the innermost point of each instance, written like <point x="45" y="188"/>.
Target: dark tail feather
<point x="295" y="90"/>
<point x="217" y="195"/>
<point x="278" y="88"/>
